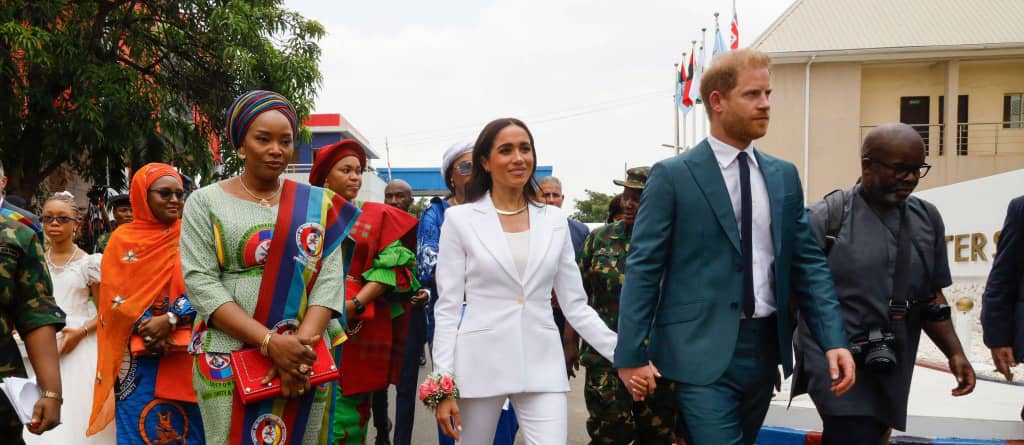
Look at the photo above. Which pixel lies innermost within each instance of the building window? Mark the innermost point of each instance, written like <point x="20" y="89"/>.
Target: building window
<point x="1013" y="110"/>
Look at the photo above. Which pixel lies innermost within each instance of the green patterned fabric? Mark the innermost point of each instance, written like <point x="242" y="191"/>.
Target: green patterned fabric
<point x="393" y="256"/>
<point x="101" y="242"/>
<point x="26" y="299"/>
<point x="602" y="263"/>
<point x="222" y="255"/>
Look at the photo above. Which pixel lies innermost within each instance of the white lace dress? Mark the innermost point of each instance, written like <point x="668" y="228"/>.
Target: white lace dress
<point x="77" y="368"/>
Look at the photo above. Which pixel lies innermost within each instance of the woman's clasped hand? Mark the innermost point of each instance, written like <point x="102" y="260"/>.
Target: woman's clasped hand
<point x="292" y="356"/>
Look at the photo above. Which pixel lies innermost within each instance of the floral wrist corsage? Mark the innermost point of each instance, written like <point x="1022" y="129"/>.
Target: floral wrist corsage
<point x="436" y="388"/>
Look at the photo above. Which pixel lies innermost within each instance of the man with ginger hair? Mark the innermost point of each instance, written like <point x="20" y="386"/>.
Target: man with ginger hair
<point x="721" y="242"/>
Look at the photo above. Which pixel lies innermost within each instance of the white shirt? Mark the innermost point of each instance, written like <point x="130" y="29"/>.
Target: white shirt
<point x="761" y="219"/>
<point x="519" y="246"/>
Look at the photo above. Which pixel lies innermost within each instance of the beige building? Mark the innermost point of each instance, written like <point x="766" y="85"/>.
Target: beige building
<point x="842" y="67"/>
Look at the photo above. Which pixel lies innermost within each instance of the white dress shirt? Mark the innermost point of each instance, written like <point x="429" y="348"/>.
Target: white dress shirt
<point x="761" y="219"/>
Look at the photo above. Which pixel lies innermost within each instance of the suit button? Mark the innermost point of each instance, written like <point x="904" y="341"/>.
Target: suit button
<point x="734" y="306"/>
<point x="739" y="267"/>
<point x="522" y="300"/>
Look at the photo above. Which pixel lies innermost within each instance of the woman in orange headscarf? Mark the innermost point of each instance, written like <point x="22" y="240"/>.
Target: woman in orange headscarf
<point x="145" y="321"/>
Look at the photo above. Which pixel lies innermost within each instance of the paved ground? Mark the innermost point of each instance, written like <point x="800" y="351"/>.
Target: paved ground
<point x="425" y="432"/>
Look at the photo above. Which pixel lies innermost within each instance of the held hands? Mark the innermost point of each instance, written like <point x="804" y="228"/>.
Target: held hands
<point x="447" y="413"/>
<point x="420" y="298"/>
<point x="45" y="415"/>
<point x="842" y="368"/>
<point x="640" y="381"/>
<point x="964" y="373"/>
<point x="71" y="338"/>
<point x="1002" y="357"/>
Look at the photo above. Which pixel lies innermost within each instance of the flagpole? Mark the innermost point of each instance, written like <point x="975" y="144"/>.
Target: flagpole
<point x="678" y="148"/>
<point x="703" y="120"/>
<point x="675" y="104"/>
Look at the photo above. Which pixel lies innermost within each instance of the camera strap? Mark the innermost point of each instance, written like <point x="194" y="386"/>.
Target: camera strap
<point x="898" y="305"/>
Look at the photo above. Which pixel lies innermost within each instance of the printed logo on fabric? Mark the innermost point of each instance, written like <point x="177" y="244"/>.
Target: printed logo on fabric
<point x="286" y="327"/>
<point x="309" y="238"/>
<point x="257" y="248"/>
<point x="268" y="430"/>
<point x="218" y="367"/>
<point x="163" y="422"/>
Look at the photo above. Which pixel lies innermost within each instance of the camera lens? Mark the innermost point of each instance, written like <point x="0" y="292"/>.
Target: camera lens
<point x="880" y="358"/>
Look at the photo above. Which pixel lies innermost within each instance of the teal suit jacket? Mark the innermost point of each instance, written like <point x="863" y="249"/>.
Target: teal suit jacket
<point x="683" y="289"/>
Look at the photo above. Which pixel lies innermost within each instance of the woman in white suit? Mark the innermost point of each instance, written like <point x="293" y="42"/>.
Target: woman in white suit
<point x="502" y="254"/>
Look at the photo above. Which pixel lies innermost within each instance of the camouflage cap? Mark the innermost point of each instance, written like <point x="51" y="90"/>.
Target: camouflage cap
<point x="636" y="178"/>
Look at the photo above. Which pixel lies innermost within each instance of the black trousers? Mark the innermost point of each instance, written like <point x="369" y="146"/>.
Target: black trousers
<point x="852" y="430"/>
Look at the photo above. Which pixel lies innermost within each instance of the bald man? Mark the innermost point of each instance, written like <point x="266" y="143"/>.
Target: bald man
<point x="398" y="193"/>
<point x="887" y="254"/>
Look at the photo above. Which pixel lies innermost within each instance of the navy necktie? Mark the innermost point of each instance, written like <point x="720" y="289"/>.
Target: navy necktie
<point x="746" y="241"/>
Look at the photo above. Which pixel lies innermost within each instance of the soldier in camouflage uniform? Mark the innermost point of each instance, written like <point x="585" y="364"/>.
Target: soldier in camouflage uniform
<point x="26" y="304"/>
<point x="121" y="207"/>
<point x="614" y="417"/>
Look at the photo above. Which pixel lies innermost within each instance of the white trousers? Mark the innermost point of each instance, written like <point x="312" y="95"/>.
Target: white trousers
<point x="542" y="418"/>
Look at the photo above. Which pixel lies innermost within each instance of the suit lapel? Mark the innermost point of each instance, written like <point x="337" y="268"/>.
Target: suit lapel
<point x="776" y="192"/>
<point x="541" y="229"/>
<point x="709" y="178"/>
<point x="488" y="229"/>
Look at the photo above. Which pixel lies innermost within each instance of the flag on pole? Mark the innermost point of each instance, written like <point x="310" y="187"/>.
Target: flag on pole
<point x="698" y="71"/>
<point x="688" y="85"/>
<point x="680" y="83"/>
<point x="734" y="38"/>
<point x="719" y="48"/>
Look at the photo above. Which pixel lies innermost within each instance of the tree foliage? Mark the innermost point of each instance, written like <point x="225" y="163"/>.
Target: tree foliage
<point x="594" y="209"/>
<point x="103" y="84"/>
<point x="418" y="206"/>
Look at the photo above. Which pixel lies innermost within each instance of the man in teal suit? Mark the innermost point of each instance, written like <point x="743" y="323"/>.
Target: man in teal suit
<point x="720" y="246"/>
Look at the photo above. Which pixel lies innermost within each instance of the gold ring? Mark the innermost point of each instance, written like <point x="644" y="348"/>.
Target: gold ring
<point x="303" y="368"/>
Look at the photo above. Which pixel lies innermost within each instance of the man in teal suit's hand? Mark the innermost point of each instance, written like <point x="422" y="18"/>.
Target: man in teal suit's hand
<point x="720" y="249"/>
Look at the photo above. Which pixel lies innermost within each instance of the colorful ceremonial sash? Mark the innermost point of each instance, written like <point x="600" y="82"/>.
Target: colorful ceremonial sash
<point x="311" y="224"/>
<point x="21" y="219"/>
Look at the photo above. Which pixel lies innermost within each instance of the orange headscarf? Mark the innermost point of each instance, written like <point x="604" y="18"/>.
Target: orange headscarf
<point x="144" y="248"/>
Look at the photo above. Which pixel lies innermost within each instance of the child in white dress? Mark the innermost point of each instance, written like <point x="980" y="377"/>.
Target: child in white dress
<point x="74" y="274"/>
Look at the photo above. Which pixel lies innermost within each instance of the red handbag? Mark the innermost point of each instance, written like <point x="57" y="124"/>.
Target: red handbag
<point x="250" y="367"/>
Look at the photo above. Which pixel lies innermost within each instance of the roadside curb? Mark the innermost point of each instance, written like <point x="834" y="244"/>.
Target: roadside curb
<point x="790" y="436"/>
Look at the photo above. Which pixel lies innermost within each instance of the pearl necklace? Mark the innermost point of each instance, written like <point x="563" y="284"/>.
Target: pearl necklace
<point x="49" y="259"/>
<point x="263" y="202"/>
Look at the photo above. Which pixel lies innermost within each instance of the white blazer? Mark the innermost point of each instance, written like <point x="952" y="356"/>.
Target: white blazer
<point x="506" y="342"/>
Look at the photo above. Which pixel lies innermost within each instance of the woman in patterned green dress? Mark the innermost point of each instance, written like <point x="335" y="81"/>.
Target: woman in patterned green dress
<point x="227" y="241"/>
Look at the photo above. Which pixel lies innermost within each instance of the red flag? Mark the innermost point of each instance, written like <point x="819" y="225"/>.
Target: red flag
<point x="734" y="38"/>
<point x="689" y="82"/>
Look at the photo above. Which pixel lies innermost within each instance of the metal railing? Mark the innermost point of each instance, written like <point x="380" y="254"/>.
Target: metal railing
<point x="298" y="168"/>
<point x="972" y="138"/>
<point x="305" y="168"/>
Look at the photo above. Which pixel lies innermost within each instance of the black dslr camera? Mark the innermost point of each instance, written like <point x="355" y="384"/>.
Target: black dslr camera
<point x="877" y="350"/>
<point x="96" y="193"/>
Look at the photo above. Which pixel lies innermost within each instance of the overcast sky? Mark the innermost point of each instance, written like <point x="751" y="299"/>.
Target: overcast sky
<point x="591" y="78"/>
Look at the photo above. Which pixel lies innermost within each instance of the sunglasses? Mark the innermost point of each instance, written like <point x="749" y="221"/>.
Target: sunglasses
<point x="166" y="194"/>
<point x="465" y="168"/>
<point x="47" y="219"/>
